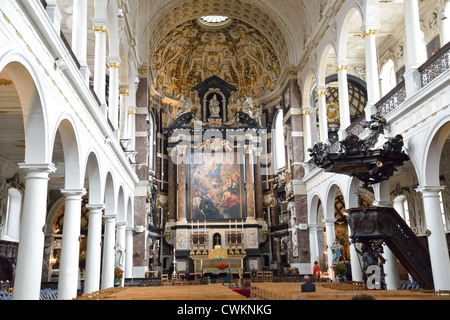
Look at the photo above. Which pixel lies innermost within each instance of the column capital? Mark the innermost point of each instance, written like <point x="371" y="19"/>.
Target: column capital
<point x="121" y="224"/>
<point x="429" y="189"/>
<point x="113" y="65"/>
<point x="77" y="193"/>
<point x="342" y="67"/>
<point x="95" y="208"/>
<point x="101" y="29"/>
<point x="36" y="170"/>
<point x="369" y="32"/>
<point x="110" y="217"/>
<point x="329" y="221"/>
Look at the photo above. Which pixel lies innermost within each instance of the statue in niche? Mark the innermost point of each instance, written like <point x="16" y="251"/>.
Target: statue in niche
<point x="120" y="256"/>
<point x="214" y="107"/>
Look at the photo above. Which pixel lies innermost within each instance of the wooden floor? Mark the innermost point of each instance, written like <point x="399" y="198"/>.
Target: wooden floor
<point x="336" y="291"/>
<point x="260" y="291"/>
<point x="192" y="292"/>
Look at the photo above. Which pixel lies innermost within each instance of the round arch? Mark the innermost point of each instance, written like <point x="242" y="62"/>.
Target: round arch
<point x="121" y="213"/>
<point x="71" y="152"/>
<point x="433" y="149"/>
<point x="110" y="196"/>
<point x="92" y="171"/>
<point x="31" y="111"/>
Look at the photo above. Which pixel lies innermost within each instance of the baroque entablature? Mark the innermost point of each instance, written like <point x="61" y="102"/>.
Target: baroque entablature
<point x="237" y="53"/>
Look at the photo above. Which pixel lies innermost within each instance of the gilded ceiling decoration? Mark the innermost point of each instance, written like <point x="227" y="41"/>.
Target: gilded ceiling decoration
<point x="237" y="53"/>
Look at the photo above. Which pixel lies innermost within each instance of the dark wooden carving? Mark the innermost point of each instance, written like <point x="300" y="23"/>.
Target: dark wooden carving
<point x="379" y="223"/>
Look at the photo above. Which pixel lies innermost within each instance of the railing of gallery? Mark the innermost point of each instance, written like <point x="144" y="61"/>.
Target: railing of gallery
<point x="436" y="65"/>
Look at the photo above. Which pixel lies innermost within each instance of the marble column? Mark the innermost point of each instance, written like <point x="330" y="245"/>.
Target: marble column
<point x="313" y="243"/>
<point x="108" y="260"/>
<point x="171" y="198"/>
<point x="120" y="247"/>
<point x="79" y="36"/>
<point x="331" y="236"/>
<point x="258" y="186"/>
<point x="70" y="247"/>
<point x="129" y="232"/>
<point x="373" y="87"/>
<point x="94" y="248"/>
<point x="415" y="48"/>
<point x="100" y="66"/>
<point x="437" y="244"/>
<point x="322" y="110"/>
<point x="113" y="103"/>
<point x="307" y="132"/>
<point x="383" y="199"/>
<point x="250" y="183"/>
<point x="344" y="105"/>
<point x="123" y="122"/>
<point x="181" y="180"/>
<point x="28" y="274"/>
<point x="132" y="127"/>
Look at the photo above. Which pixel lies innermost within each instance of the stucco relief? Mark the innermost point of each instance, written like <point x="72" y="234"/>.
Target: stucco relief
<point x="236" y="53"/>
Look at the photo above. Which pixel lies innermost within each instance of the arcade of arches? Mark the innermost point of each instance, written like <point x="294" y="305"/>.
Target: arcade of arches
<point x="156" y="136"/>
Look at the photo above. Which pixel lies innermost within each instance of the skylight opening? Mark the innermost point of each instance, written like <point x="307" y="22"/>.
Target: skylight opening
<point x="214" y="20"/>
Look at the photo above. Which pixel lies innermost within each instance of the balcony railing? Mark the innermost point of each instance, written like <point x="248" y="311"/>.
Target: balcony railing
<point x="392" y="100"/>
<point x="436" y="65"/>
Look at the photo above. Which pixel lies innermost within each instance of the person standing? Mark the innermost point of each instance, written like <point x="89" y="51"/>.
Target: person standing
<point x="316" y="270"/>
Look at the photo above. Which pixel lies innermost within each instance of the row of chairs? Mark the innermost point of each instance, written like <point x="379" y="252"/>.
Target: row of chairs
<point x="4" y="295"/>
<point x="48" y="294"/>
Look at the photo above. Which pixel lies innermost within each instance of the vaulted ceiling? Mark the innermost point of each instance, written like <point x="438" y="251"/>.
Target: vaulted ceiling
<point x="284" y="30"/>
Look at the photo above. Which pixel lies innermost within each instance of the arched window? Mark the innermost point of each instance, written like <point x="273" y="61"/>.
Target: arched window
<point x="388" y="80"/>
<point x="12" y="218"/>
<point x="278" y="141"/>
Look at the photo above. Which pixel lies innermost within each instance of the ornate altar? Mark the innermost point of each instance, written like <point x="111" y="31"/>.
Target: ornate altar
<point x="208" y="261"/>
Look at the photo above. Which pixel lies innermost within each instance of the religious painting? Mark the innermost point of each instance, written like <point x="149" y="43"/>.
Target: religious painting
<point x="215" y="188"/>
<point x="433" y="46"/>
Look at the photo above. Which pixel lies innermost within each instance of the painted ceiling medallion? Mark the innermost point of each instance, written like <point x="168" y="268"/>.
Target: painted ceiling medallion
<point x="236" y="53"/>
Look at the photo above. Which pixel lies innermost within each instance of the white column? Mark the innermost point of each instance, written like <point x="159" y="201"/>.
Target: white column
<point x="344" y="105"/>
<point x="28" y="274"/>
<point x="313" y="243"/>
<point x="120" y="244"/>
<point x="415" y="48"/>
<point x="307" y="131"/>
<point x="132" y="127"/>
<point x="108" y="252"/>
<point x="373" y="87"/>
<point x="70" y="247"/>
<point x="322" y="110"/>
<point x="437" y="244"/>
<point x="94" y="248"/>
<point x="123" y="123"/>
<point x="114" y="69"/>
<point x="100" y="66"/>
<point x="129" y="252"/>
<point x="355" y="260"/>
<point x="79" y="35"/>
<point x="383" y="199"/>
<point x="331" y="236"/>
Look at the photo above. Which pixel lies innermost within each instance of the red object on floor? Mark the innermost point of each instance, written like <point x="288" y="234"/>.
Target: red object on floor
<point x="242" y="291"/>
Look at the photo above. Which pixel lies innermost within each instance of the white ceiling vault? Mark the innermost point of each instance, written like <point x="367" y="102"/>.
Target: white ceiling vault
<point x="292" y="29"/>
